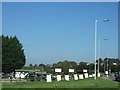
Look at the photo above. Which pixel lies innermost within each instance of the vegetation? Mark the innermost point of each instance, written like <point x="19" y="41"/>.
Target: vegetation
<point x="86" y="83"/>
<point x="13" y="56"/>
<point x="113" y="65"/>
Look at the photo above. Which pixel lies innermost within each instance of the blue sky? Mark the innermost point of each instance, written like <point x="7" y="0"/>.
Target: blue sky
<point x="52" y="32"/>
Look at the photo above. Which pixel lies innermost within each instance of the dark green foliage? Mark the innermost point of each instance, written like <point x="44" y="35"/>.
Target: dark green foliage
<point x="65" y="65"/>
<point x="81" y="66"/>
<point x="12" y="54"/>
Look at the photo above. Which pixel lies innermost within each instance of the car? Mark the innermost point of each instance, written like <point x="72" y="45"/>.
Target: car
<point x="6" y="76"/>
<point x="32" y="76"/>
<point x="40" y="76"/>
<point x="117" y="76"/>
<point x="53" y="77"/>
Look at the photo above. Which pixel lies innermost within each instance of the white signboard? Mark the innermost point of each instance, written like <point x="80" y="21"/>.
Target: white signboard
<point x="106" y="72"/>
<point x="18" y="72"/>
<point x="86" y="75"/>
<point x="98" y="74"/>
<point x="17" y="75"/>
<point x="58" y="69"/>
<point x="75" y="77"/>
<point x="81" y="76"/>
<point x="67" y="77"/>
<point x="114" y="64"/>
<point x="90" y="75"/>
<point x="93" y="75"/>
<point x="49" y="78"/>
<point x="84" y="70"/>
<point x="22" y="75"/>
<point x="58" y="77"/>
<point x="71" y="70"/>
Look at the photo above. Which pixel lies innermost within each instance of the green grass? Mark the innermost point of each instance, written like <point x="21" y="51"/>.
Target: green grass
<point x="86" y="83"/>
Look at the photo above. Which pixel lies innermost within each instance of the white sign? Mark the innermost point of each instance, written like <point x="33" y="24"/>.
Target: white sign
<point x="49" y="78"/>
<point x="17" y="75"/>
<point x="90" y="75"/>
<point x="86" y="75"/>
<point x="22" y="75"/>
<point x="75" y="77"/>
<point x="58" y="69"/>
<point x="67" y="77"/>
<point x="81" y="76"/>
<point x="58" y="77"/>
<point x="71" y="70"/>
<point x="114" y="64"/>
<point x="18" y="72"/>
<point x="106" y="72"/>
<point x="98" y="74"/>
<point x="84" y="70"/>
<point x="93" y="75"/>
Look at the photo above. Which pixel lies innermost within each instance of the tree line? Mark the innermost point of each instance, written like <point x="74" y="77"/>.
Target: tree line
<point x="113" y="65"/>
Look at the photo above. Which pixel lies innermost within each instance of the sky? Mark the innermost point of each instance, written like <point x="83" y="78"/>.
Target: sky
<point x="58" y="31"/>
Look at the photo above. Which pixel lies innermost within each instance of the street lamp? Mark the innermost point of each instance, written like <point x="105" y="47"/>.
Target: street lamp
<point x="99" y="47"/>
<point x="96" y="21"/>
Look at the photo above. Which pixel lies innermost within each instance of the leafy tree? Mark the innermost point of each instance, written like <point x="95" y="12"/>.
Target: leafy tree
<point x="81" y="66"/>
<point x="31" y="67"/>
<point x="65" y="66"/>
<point x="13" y="56"/>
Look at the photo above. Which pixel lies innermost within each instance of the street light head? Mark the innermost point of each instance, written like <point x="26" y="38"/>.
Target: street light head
<point x="105" y="39"/>
<point x="106" y="20"/>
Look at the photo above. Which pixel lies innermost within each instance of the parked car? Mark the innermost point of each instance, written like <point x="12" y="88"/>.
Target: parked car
<point x="53" y="77"/>
<point x="6" y="76"/>
<point x="117" y="76"/>
<point x="40" y="76"/>
<point x="30" y="76"/>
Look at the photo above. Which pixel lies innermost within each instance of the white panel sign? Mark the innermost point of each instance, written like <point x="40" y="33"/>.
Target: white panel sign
<point x="84" y="70"/>
<point x="71" y="70"/>
<point x="106" y="72"/>
<point x="18" y="72"/>
<point x="86" y="75"/>
<point x="75" y="77"/>
<point x="81" y="76"/>
<point x="58" y="69"/>
<point x="98" y="74"/>
<point x="22" y="75"/>
<point x="49" y="78"/>
<point x="90" y="75"/>
<point x="67" y="77"/>
<point x="58" y="77"/>
<point x="93" y="75"/>
<point x="17" y="75"/>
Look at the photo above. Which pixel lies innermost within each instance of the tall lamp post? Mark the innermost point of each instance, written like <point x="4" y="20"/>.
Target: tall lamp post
<point x="96" y="22"/>
<point x="99" y="47"/>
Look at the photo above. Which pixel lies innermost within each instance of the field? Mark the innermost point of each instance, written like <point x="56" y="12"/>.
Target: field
<point x="86" y="83"/>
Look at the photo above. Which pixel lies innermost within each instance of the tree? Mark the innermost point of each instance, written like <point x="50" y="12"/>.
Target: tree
<point x="31" y="66"/>
<point x="65" y="66"/>
<point x="13" y="56"/>
<point x="81" y="66"/>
